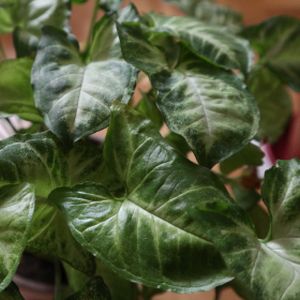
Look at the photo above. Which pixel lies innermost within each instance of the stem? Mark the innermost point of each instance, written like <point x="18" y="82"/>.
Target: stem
<point x="58" y="278"/>
<point x="2" y="52"/>
<point x="12" y="126"/>
<point x="218" y="291"/>
<point x="93" y="20"/>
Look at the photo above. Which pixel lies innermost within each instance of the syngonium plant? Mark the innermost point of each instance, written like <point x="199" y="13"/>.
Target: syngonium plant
<point x="133" y="213"/>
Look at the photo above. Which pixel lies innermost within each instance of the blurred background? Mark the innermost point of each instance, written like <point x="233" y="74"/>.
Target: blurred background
<point x="253" y="12"/>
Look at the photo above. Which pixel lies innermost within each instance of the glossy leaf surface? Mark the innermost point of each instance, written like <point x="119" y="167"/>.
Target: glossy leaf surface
<point x="210" y="109"/>
<point x="147" y="237"/>
<point x="16" y="210"/>
<point x="27" y="17"/>
<point x="84" y="162"/>
<point x="273" y="262"/>
<point x="208" y="42"/>
<point x="50" y="237"/>
<point x="16" y="90"/>
<point x="273" y="101"/>
<point x="277" y="42"/>
<point x="75" y="97"/>
<point x="137" y="50"/>
<point x="36" y="159"/>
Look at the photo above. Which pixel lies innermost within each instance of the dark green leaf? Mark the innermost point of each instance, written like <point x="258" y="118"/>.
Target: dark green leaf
<point x="138" y="51"/>
<point x="11" y="293"/>
<point x="50" y="237"/>
<point x="76" y="279"/>
<point x="120" y="288"/>
<point x="178" y="142"/>
<point x="76" y="97"/>
<point x="16" y="90"/>
<point x="84" y="162"/>
<point x="277" y="42"/>
<point x="34" y="158"/>
<point x="206" y="41"/>
<point x="267" y="269"/>
<point x="273" y="101"/>
<point x="148" y="236"/>
<point x="27" y="17"/>
<point x="105" y="43"/>
<point x="147" y="107"/>
<point x="95" y="289"/>
<point x="16" y="210"/>
<point x="209" y="108"/>
<point x="250" y="155"/>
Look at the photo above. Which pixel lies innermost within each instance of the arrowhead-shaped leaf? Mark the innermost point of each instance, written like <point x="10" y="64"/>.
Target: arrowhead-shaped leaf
<point x="268" y="269"/>
<point x="76" y="97"/>
<point x="206" y="41"/>
<point x="16" y="90"/>
<point x="28" y="17"/>
<point x="36" y="159"/>
<point x="16" y="210"/>
<point x="277" y="42"/>
<point x="144" y="234"/>
<point x="50" y="237"/>
<point x="211" y="109"/>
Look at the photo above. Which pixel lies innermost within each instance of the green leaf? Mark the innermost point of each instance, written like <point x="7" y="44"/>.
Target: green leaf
<point x="76" y="97"/>
<point x="11" y="293"/>
<point x="110" y="5"/>
<point x="212" y="14"/>
<point x="211" y="109"/>
<point x="50" y="237"/>
<point x="276" y="40"/>
<point x="105" y="42"/>
<point x="34" y="158"/>
<point x="208" y="42"/>
<point x="274" y="103"/>
<point x="120" y="288"/>
<point x="27" y="17"/>
<point x="16" y="90"/>
<point x="147" y="107"/>
<point x="178" y="143"/>
<point x="7" y="9"/>
<point x="16" y="210"/>
<point x="144" y="234"/>
<point x="275" y="261"/>
<point x="250" y="155"/>
<point x="137" y="50"/>
<point x="84" y="162"/>
<point x="95" y="289"/>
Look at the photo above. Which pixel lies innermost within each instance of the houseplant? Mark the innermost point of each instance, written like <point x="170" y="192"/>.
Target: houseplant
<point x="135" y="209"/>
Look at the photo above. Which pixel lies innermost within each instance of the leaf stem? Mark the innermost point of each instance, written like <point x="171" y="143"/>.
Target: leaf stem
<point x="12" y="126"/>
<point x="58" y="279"/>
<point x="2" y="52"/>
<point x="93" y="20"/>
<point x="218" y="291"/>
